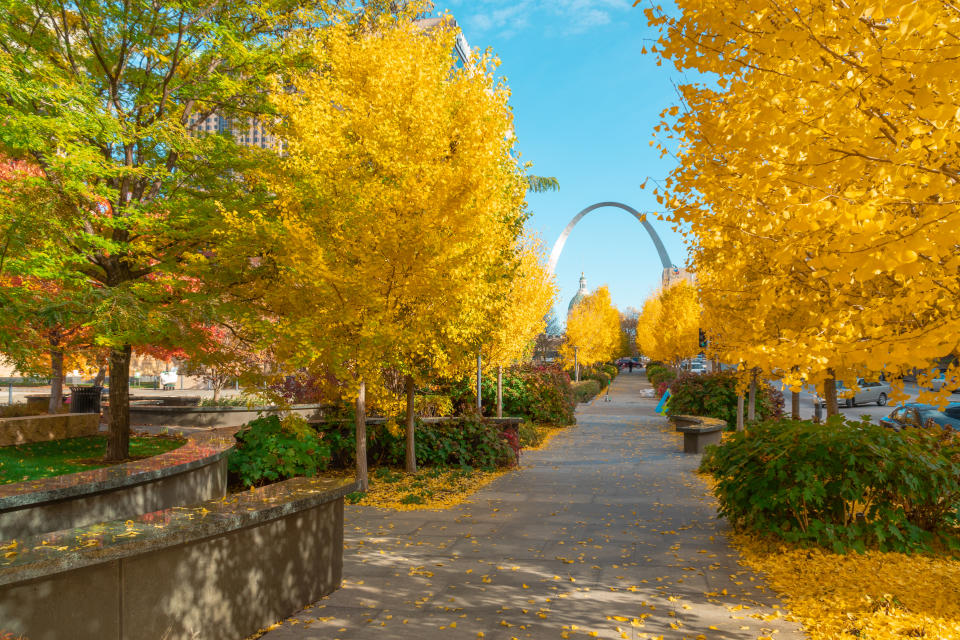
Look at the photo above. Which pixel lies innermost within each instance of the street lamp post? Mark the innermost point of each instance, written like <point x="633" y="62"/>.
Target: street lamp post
<point x="479" y="380"/>
<point x="576" y="364"/>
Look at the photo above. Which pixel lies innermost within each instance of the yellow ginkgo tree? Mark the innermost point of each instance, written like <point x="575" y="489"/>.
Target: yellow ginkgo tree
<point x="593" y="330"/>
<point x="399" y="209"/>
<point x="818" y="183"/>
<point x="524" y="311"/>
<point x="669" y="322"/>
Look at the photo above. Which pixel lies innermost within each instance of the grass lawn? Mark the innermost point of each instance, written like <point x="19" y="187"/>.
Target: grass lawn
<point x="59" y="457"/>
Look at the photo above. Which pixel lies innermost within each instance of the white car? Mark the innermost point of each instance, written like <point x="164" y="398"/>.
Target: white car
<point x="698" y="368"/>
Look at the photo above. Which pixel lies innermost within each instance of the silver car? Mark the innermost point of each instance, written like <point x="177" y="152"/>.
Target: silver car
<point x="941" y="381"/>
<point x="869" y="392"/>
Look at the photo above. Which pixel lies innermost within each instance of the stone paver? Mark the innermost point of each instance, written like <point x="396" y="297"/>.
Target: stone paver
<point x="607" y="531"/>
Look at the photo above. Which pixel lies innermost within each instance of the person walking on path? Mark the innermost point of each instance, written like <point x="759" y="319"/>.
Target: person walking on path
<point x="605" y="533"/>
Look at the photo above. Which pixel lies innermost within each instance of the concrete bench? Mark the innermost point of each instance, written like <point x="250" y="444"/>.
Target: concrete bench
<point x="698" y="431"/>
<point x="219" y="570"/>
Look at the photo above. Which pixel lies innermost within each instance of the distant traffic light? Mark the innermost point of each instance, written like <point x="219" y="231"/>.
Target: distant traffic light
<point x="703" y="339"/>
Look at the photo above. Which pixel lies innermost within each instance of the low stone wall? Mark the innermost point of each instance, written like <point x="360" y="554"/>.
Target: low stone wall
<point x="195" y="472"/>
<point x="47" y="427"/>
<point x="157" y="415"/>
<point x="220" y="570"/>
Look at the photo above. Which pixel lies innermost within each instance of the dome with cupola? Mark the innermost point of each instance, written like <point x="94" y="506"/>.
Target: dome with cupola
<point x="580" y="295"/>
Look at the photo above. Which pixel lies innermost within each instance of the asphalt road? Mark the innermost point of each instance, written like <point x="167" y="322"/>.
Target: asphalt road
<point x="872" y="410"/>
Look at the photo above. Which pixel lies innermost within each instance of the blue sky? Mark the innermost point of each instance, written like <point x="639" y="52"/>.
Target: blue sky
<point x="585" y="102"/>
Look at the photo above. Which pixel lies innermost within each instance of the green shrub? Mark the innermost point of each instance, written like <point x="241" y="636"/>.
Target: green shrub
<point x="611" y="371"/>
<point x="660" y="374"/>
<point x="844" y="485"/>
<point x="465" y="443"/>
<point x="269" y="450"/>
<point x="652" y="368"/>
<point x="539" y="394"/>
<point x="233" y="401"/>
<point x="530" y="435"/>
<point x="585" y="390"/>
<point x="715" y="395"/>
<point x="598" y="374"/>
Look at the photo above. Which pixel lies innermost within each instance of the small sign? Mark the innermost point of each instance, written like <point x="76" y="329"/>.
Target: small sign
<point x="662" y="405"/>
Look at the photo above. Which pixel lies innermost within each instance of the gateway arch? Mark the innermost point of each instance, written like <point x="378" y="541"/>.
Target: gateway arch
<point x="562" y="240"/>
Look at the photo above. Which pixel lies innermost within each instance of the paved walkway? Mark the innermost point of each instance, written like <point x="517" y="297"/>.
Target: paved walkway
<point x="605" y="533"/>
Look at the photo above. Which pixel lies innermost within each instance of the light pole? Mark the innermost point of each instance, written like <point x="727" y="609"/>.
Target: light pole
<point x="576" y="364"/>
<point x="479" y="380"/>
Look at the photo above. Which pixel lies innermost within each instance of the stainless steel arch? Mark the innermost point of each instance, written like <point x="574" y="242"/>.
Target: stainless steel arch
<point x="562" y="240"/>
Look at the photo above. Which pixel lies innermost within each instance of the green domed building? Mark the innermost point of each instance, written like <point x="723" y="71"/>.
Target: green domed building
<point x="580" y="295"/>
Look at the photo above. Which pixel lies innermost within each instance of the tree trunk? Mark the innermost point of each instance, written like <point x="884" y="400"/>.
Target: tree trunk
<point x="216" y="390"/>
<point x="101" y="376"/>
<point x="362" y="480"/>
<point x="740" y="412"/>
<point x="411" y="429"/>
<point x="118" y="440"/>
<point x="499" y="391"/>
<point x="56" y="381"/>
<point x="830" y="394"/>
<point x="752" y="402"/>
<point x="795" y="405"/>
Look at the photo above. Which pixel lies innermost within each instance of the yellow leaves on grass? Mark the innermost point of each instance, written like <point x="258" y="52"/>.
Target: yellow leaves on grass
<point x="872" y="595"/>
<point x="426" y="489"/>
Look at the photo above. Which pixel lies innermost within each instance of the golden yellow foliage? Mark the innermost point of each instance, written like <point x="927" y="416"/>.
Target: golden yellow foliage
<point x="817" y="180"/>
<point x="870" y="595"/>
<point x="427" y="489"/>
<point x="668" y="325"/>
<point x="400" y="206"/>
<point x="593" y="329"/>
<point x="525" y="308"/>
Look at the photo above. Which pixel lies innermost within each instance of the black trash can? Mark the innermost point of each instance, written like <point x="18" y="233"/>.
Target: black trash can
<point x="85" y="399"/>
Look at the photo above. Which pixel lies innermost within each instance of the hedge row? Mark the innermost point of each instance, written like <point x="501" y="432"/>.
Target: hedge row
<point x="269" y="449"/>
<point x="715" y="395"/>
<point x="843" y="485"/>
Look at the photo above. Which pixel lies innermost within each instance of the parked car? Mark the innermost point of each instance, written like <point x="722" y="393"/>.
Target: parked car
<point x="914" y="414"/>
<point x="869" y="392"/>
<point x="698" y="367"/>
<point x="940" y="381"/>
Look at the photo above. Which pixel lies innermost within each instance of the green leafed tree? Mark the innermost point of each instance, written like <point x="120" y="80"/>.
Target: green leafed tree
<point x="131" y="113"/>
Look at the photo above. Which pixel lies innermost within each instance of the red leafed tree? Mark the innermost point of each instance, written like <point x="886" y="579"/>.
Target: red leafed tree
<point x="221" y="358"/>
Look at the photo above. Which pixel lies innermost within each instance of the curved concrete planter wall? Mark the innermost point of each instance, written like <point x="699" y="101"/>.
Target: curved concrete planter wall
<point x="220" y="570"/>
<point x="195" y="472"/>
<point x="151" y="414"/>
